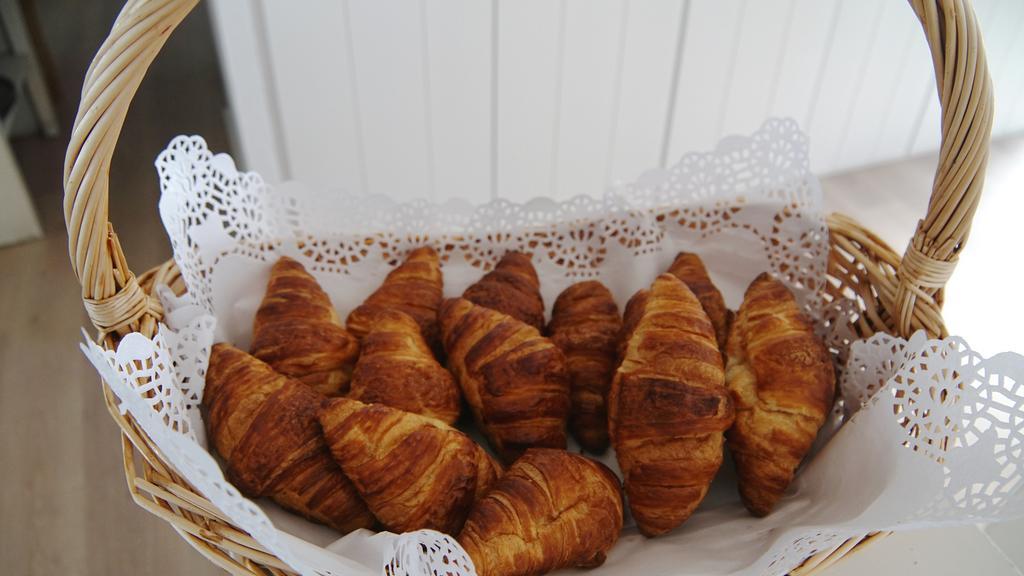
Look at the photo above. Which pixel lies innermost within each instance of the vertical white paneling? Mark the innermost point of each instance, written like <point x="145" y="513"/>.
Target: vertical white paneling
<point x="459" y="49"/>
<point x="761" y="43"/>
<point x="239" y="33"/>
<point x="529" y="57"/>
<point x="898" y="70"/>
<point x="1006" y="59"/>
<point x="481" y="98"/>
<point x="314" y="82"/>
<point x="1010" y="112"/>
<point x="648" y="58"/>
<point x="806" y="48"/>
<point x="929" y="132"/>
<point x="841" y="83"/>
<point x="589" y="96"/>
<point x="900" y="109"/>
<point x="709" y="49"/>
<point x="388" y="45"/>
<point x="1013" y="114"/>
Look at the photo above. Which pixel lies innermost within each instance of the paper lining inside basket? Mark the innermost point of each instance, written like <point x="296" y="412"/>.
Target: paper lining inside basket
<point x="750" y="206"/>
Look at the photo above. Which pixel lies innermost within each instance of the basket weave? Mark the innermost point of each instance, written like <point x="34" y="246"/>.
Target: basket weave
<point x="896" y="295"/>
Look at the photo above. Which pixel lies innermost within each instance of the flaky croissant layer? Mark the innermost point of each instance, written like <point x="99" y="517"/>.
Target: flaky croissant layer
<point x="782" y="381"/>
<point x="397" y="368"/>
<point x="585" y="325"/>
<point x="414" y="288"/>
<point x="668" y="405"/>
<point x="264" y="425"/>
<point x="514" y="380"/>
<point x="298" y="333"/>
<point x="512" y="288"/>
<point x="552" y="509"/>
<point x="414" y="472"/>
<point x="689" y="268"/>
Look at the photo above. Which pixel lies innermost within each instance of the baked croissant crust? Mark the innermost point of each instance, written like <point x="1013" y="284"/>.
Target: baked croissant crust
<point x="398" y="369"/>
<point x="668" y="406"/>
<point x="689" y="268"/>
<point x="414" y="472"/>
<point x="512" y="288"/>
<point x="415" y="287"/>
<point x="264" y="426"/>
<point x="513" y="379"/>
<point x="585" y="325"/>
<point x="551" y="510"/>
<point x="298" y="332"/>
<point x="782" y="381"/>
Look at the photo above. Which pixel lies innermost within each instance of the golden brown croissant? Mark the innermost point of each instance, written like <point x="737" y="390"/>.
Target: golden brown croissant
<point x="298" y="332"/>
<point x="414" y="472"/>
<point x="585" y="325"/>
<point x="782" y="383"/>
<point x="551" y="510"/>
<point x="668" y="406"/>
<point x="511" y="288"/>
<point x="689" y="268"/>
<point x="631" y="316"/>
<point x="396" y="368"/>
<point x="415" y="287"/>
<point x="264" y="425"/>
<point x="513" y="379"/>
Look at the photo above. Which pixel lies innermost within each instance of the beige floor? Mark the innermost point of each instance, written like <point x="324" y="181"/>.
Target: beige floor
<point x="64" y="508"/>
<point x="63" y="505"/>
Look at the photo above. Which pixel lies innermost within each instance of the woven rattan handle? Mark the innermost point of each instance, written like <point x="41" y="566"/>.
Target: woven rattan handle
<point x="116" y="305"/>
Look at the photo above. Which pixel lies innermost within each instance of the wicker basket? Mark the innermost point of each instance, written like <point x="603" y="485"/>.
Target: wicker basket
<point x="895" y="295"/>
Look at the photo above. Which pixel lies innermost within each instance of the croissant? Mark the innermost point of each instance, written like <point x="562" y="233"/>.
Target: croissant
<point x="782" y="382"/>
<point x="414" y="472"/>
<point x="513" y="379"/>
<point x="668" y="406"/>
<point x="689" y="268"/>
<point x="264" y="426"/>
<point x="415" y="287"/>
<point x="585" y="325"/>
<point x="298" y="332"/>
<point x="631" y="315"/>
<point x="511" y="288"/>
<point x="551" y="510"/>
<point x="396" y="368"/>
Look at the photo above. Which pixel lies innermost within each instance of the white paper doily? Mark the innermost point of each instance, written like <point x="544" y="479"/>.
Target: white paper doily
<point x="926" y="432"/>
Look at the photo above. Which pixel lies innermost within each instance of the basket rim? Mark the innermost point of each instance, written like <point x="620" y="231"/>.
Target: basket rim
<point x="158" y="489"/>
<point x="901" y="295"/>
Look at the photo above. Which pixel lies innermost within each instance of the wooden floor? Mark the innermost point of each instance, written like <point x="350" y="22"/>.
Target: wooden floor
<point x="64" y="508"/>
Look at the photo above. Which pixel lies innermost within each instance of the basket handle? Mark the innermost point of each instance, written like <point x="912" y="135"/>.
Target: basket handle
<point x="116" y="304"/>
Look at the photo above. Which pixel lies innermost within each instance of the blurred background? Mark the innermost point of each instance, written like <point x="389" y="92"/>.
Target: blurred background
<point x="469" y="98"/>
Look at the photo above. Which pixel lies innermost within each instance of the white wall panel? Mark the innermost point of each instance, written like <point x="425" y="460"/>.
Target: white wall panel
<point x="1006" y="57"/>
<point x="242" y="49"/>
<point x="898" y="71"/>
<point x="901" y="107"/>
<point x="519" y="98"/>
<point x="459" y="48"/>
<point x="648" y="60"/>
<point x="314" y="79"/>
<point x="709" y="50"/>
<point x="529" y="63"/>
<point x="764" y="27"/>
<point x="388" y="45"/>
<point x="589" y="96"/>
<point x="841" y="83"/>
<point x="803" y="57"/>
